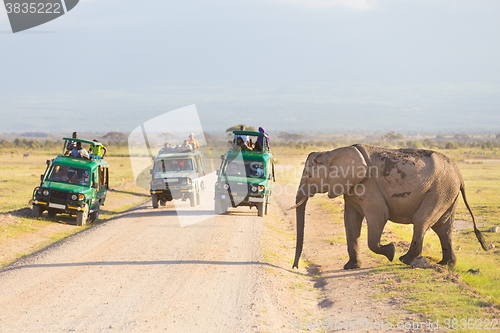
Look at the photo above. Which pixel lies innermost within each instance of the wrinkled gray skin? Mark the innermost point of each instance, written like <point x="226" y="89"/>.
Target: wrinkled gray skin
<point x="408" y="186"/>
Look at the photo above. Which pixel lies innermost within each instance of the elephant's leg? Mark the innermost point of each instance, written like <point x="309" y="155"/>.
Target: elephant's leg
<point x="415" y="249"/>
<point x="376" y="226"/>
<point x="352" y="222"/>
<point x="431" y="209"/>
<point x="444" y="229"/>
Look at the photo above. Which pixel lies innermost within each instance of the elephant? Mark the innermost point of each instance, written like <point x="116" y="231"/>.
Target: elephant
<point x="407" y="186"/>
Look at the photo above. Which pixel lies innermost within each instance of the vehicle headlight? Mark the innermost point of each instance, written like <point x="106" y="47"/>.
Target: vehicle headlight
<point x="226" y="186"/>
<point x="77" y="197"/>
<point x="45" y="193"/>
<point x="254" y="188"/>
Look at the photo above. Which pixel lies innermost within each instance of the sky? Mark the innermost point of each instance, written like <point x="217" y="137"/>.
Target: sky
<point x="288" y="65"/>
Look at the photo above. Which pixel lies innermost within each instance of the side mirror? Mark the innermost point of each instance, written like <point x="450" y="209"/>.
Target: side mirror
<point x="41" y="178"/>
<point x="48" y="162"/>
<point x="222" y="157"/>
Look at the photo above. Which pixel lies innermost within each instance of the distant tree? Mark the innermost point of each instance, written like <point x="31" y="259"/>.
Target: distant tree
<point x="290" y="136"/>
<point x="5" y="144"/>
<point x="392" y="136"/>
<point x="450" y="145"/>
<point x="18" y="143"/>
<point x="48" y="143"/>
<point x="498" y="136"/>
<point x="429" y="143"/>
<point x="414" y="144"/>
<point x="237" y="128"/>
<point x="115" y="136"/>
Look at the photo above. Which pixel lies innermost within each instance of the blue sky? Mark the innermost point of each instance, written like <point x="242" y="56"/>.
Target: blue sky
<point x="294" y="65"/>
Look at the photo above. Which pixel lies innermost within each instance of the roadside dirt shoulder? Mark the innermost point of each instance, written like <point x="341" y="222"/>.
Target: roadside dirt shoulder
<point x="21" y="235"/>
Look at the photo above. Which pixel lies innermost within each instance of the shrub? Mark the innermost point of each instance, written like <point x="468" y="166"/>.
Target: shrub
<point x="450" y="145"/>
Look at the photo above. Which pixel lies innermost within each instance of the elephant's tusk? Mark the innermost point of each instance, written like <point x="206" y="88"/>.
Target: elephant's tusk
<point x="297" y="205"/>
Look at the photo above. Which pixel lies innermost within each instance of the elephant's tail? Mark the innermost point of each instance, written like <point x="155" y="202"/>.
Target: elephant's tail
<point x="478" y="233"/>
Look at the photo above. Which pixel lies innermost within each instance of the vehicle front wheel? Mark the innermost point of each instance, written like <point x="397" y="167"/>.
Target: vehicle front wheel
<point x="163" y="202"/>
<point x="260" y="209"/>
<point x="36" y="211"/>
<point x="217" y="207"/>
<point x="81" y="217"/>
<point x="154" y="200"/>
<point x="51" y="213"/>
<point x="192" y="199"/>
<point x="94" y="216"/>
<point x="198" y="200"/>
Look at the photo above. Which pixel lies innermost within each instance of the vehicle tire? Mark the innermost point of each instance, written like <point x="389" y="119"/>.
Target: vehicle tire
<point x="36" y="211"/>
<point x="163" y="202"/>
<point x="81" y="217"/>
<point x="192" y="199"/>
<point x="260" y="209"/>
<point x="154" y="200"/>
<point x="198" y="200"/>
<point x="94" y="216"/>
<point x="51" y="213"/>
<point x="218" y="207"/>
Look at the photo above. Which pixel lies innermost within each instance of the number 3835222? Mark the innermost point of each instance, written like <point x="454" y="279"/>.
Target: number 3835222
<point x="33" y="8"/>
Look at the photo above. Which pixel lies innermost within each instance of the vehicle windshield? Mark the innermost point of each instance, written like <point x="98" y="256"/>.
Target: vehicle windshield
<point x="69" y="175"/>
<point x="174" y="165"/>
<point x="240" y="168"/>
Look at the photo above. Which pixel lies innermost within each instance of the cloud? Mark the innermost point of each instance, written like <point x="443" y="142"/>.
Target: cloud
<point x="325" y="4"/>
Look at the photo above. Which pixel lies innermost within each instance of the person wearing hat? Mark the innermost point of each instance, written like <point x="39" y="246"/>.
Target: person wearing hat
<point x="193" y="142"/>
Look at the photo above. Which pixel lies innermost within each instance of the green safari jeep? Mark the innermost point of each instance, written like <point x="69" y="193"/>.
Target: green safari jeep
<point x="177" y="175"/>
<point x="73" y="185"/>
<point x="245" y="177"/>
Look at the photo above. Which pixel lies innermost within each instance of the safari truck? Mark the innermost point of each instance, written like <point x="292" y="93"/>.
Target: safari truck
<point x="177" y="175"/>
<point x="73" y="185"/>
<point x="245" y="177"/>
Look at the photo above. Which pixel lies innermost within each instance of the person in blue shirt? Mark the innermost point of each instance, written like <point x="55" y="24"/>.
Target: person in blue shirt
<point x="244" y="137"/>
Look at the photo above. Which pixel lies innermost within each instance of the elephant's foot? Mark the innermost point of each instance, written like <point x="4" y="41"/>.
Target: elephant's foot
<point x="407" y="259"/>
<point x="389" y="251"/>
<point x="351" y="264"/>
<point x="451" y="263"/>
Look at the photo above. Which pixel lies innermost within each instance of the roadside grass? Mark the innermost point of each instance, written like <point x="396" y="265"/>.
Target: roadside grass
<point x="434" y="294"/>
<point x="439" y="293"/>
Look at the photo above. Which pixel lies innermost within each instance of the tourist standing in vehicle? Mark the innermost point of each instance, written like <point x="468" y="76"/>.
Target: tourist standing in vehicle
<point x="78" y="151"/>
<point x="71" y="144"/>
<point x="193" y="142"/>
<point x="244" y="137"/>
<point x="166" y="148"/>
<point x="242" y="144"/>
<point x="186" y="146"/>
<point x="100" y="151"/>
<point x="260" y="139"/>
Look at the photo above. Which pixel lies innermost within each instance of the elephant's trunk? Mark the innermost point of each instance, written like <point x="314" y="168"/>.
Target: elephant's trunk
<point x="300" y="218"/>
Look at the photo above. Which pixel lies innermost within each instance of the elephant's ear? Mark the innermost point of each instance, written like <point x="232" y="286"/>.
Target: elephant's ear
<point x="347" y="168"/>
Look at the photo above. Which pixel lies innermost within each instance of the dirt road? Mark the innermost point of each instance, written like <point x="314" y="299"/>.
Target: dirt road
<point x="141" y="272"/>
